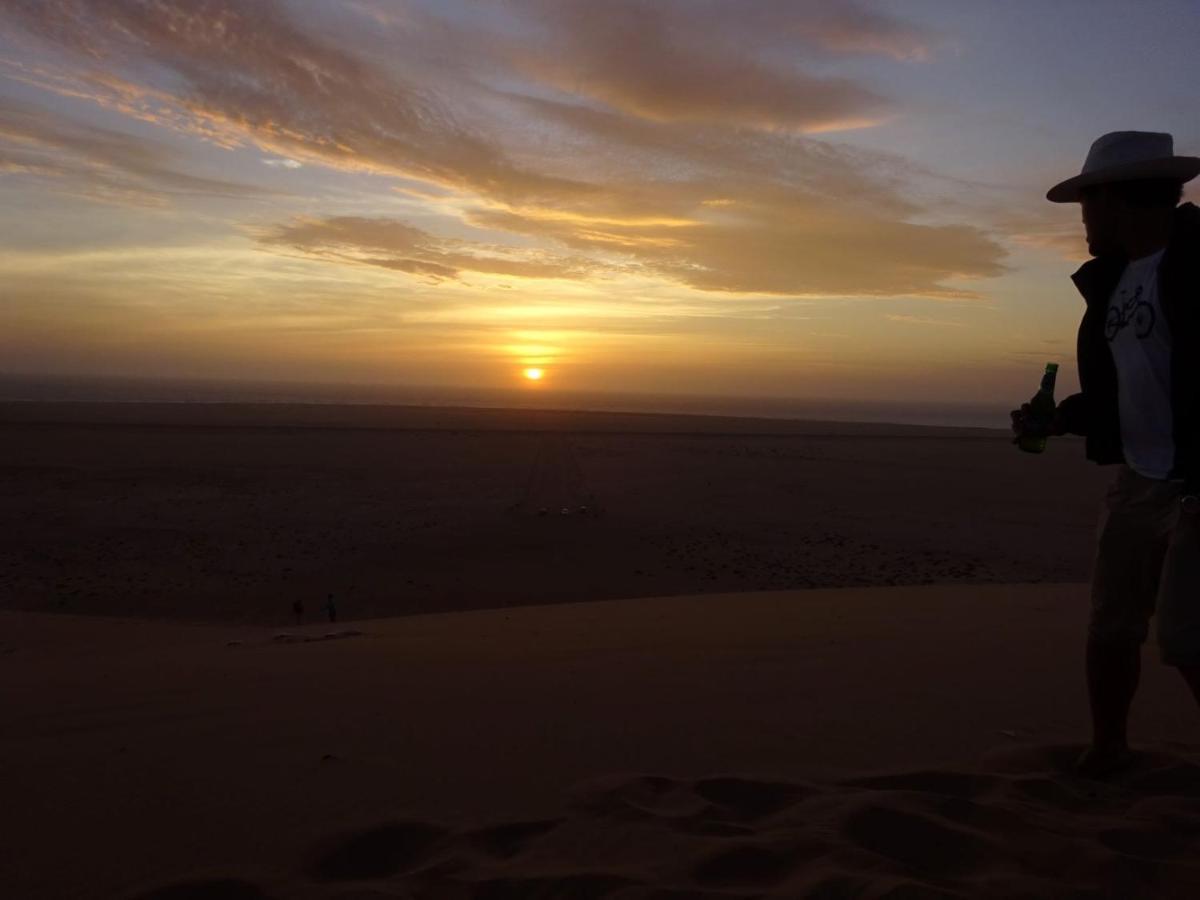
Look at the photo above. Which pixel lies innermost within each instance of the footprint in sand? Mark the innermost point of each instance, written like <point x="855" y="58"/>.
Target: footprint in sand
<point x="647" y="893"/>
<point x="637" y="797"/>
<point x="947" y="783"/>
<point x="377" y="852"/>
<point x="1179" y="815"/>
<point x="747" y="799"/>
<point x="935" y="848"/>
<point x="1052" y="792"/>
<point x="1145" y="843"/>
<point x="511" y="838"/>
<point x="212" y="889"/>
<point x="747" y="865"/>
<point x="1162" y="773"/>
<point x="834" y="887"/>
<point x="578" y="886"/>
<point x="703" y="827"/>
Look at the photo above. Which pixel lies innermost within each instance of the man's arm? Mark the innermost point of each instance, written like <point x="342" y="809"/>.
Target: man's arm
<point x="1073" y="415"/>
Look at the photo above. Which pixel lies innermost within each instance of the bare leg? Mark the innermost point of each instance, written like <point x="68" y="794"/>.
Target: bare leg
<point x="1113" y="672"/>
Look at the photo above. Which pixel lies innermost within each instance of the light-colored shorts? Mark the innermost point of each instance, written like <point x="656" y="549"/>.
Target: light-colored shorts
<point x="1147" y="563"/>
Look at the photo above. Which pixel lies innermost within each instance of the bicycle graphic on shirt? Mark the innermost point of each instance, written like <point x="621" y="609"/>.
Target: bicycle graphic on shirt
<point x="1135" y="312"/>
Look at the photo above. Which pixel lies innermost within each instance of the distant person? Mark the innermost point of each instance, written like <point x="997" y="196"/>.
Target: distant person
<point x="331" y="608"/>
<point x="1139" y="408"/>
<point x="298" y="611"/>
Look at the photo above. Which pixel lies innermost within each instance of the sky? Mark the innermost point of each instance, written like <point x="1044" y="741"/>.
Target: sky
<point x="834" y="199"/>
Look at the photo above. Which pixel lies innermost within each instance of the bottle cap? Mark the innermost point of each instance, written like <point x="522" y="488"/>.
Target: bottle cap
<point x="1051" y="367"/>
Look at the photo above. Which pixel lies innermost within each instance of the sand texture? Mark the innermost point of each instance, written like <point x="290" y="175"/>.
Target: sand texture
<point x="231" y="513"/>
<point x="866" y="742"/>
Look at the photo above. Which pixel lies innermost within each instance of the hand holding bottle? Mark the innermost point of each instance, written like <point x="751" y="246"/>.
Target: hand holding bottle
<point x="1025" y="422"/>
<point x="1039" y="418"/>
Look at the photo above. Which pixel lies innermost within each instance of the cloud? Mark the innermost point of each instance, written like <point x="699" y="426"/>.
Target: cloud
<point x="733" y="62"/>
<point x="843" y="27"/>
<point x="694" y="171"/>
<point x="1052" y="228"/>
<point x="396" y="245"/>
<point x="645" y="165"/>
<point x="1068" y="244"/>
<point x="241" y="71"/>
<point x="788" y="243"/>
<point x="98" y="162"/>
<point x="921" y="320"/>
<point x="695" y="62"/>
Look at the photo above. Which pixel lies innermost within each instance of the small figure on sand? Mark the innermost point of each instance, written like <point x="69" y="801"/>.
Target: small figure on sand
<point x="298" y="611"/>
<point x="1139" y="410"/>
<point x="331" y="608"/>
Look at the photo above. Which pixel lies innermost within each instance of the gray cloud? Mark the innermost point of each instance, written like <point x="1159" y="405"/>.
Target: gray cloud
<point x="248" y="73"/>
<point x="654" y="62"/>
<point x="98" y="162"/>
<point x="713" y="60"/>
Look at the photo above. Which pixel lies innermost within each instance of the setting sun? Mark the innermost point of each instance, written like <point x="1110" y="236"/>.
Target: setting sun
<point x="534" y="374"/>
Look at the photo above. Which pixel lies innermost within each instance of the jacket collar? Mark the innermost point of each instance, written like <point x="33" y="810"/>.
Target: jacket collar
<point x="1097" y="277"/>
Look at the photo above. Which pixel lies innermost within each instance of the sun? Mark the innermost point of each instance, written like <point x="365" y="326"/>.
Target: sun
<point x="534" y="374"/>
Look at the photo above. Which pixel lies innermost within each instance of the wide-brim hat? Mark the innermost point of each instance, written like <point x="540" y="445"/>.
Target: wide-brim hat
<point x="1127" y="156"/>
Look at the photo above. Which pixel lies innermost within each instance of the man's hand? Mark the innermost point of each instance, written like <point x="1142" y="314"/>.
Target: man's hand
<point x="1024" y="423"/>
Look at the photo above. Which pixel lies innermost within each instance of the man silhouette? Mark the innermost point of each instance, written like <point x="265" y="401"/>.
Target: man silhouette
<point x="1139" y="408"/>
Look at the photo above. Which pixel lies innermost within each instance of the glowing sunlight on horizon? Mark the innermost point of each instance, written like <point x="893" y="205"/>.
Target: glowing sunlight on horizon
<point x="776" y="199"/>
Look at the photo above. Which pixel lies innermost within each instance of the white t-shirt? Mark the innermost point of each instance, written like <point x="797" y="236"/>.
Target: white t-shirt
<point x="1141" y="347"/>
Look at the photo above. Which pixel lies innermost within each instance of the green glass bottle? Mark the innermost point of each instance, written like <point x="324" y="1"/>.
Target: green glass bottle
<point x="1041" y="413"/>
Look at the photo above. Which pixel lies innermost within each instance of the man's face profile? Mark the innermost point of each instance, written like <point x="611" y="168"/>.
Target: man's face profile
<point x="1099" y="211"/>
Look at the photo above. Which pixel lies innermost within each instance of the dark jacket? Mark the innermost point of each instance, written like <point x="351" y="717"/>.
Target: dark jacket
<point x="1094" y="412"/>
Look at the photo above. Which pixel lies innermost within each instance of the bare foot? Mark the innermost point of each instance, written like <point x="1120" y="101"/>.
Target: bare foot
<point x="1100" y="762"/>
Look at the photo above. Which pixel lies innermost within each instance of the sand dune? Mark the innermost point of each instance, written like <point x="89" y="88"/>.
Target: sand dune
<point x="730" y="745"/>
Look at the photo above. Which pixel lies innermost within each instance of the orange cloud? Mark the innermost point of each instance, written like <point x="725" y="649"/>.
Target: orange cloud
<point x="786" y="242"/>
<point x="922" y="320"/>
<point x="1069" y="245"/>
<point x="665" y="182"/>
<point x="399" y="246"/>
